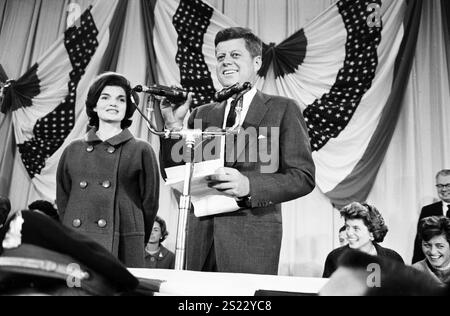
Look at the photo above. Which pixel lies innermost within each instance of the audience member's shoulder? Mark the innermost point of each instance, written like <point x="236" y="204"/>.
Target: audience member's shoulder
<point x="338" y="252"/>
<point x="432" y="205"/>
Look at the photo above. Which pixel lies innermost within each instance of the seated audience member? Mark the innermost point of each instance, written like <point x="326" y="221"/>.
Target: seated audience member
<point x="45" y="208"/>
<point x="441" y="208"/>
<point x="365" y="228"/>
<point x="5" y="208"/>
<point x="360" y="274"/>
<point x="41" y="257"/>
<point x="343" y="237"/>
<point x="156" y="255"/>
<point x="434" y="233"/>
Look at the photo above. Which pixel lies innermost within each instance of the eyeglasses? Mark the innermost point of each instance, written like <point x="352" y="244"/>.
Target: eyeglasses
<point x="443" y="186"/>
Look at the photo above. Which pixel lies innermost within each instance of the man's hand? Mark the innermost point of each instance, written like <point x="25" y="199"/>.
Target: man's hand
<point x="231" y="182"/>
<point x="174" y="116"/>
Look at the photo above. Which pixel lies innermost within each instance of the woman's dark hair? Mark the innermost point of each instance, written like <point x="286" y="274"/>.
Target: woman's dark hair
<point x="164" y="232"/>
<point x="370" y="216"/>
<point x="252" y="42"/>
<point x="430" y="227"/>
<point x="110" y="79"/>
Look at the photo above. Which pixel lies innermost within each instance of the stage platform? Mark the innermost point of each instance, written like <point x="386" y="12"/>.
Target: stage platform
<point x="190" y="283"/>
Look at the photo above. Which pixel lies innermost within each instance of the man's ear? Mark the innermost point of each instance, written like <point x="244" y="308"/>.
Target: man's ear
<point x="257" y="63"/>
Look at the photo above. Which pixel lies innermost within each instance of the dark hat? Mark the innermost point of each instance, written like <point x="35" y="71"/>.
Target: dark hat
<point x="38" y="251"/>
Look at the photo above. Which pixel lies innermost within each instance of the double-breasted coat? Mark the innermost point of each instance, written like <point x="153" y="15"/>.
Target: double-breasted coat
<point x="109" y="191"/>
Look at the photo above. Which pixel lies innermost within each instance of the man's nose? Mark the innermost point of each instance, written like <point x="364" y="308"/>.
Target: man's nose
<point x="434" y="251"/>
<point x="227" y="60"/>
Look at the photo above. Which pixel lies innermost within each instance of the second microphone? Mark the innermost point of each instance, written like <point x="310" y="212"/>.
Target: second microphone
<point x="174" y="95"/>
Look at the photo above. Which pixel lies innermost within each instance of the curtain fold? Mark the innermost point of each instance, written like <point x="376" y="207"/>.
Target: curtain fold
<point x="357" y="186"/>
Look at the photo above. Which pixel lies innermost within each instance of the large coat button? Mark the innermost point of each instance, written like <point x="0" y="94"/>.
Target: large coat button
<point x="106" y="184"/>
<point x="83" y="184"/>
<point x="111" y="150"/>
<point x="101" y="223"/>
<point x="90" y="149"/>
<point x="76" y="223"/>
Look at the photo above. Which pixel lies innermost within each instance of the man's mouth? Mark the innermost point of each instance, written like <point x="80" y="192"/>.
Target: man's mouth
<point x="229" y="72"/>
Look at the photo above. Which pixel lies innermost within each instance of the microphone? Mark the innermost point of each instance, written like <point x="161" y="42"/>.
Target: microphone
<point x="227" y="93"/>
<point x="174" y="95"/>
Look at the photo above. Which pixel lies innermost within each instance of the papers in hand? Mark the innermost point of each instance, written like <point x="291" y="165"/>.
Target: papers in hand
<point x="206" y="201"/>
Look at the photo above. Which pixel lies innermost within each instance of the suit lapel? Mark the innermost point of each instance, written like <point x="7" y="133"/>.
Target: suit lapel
<point x="215" y="117"/>
<point x="257" y="110"/>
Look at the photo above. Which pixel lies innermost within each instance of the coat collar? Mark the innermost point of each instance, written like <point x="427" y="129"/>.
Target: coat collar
<point x="161" y="254"/>
<point x="119" y="139"/>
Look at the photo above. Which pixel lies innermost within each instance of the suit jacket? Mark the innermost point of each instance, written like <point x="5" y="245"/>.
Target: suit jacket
<point x="427" y="211"/>
<point x="249" y="241"/>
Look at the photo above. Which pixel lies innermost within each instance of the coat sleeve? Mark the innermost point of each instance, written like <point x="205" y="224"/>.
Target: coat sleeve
<point x="149" y="186"/>
<point x="63" y="184"/>
<point x="296" y="174"/>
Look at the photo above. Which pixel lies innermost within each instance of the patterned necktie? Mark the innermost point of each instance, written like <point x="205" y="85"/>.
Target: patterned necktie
<point x="448" y="211"/>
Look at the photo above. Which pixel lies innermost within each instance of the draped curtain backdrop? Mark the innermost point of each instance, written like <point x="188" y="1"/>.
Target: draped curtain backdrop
<point x="419" y="148"/>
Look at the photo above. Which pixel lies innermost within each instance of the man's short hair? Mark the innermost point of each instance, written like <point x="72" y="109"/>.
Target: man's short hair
<point x="252" y="42"/>
<point x="443" y="173"/>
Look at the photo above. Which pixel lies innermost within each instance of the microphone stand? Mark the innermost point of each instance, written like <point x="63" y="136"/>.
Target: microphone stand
<point x="190" y="136"/>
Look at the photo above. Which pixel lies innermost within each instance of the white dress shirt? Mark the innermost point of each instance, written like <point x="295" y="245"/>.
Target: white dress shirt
<point x="248" y="98"/>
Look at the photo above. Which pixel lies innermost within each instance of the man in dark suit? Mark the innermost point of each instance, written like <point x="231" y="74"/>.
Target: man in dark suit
<point x="249" y="240"/>
<point x="441" y="208"/>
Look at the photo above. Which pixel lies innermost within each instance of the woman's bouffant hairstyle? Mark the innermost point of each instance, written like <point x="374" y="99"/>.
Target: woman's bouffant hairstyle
<point x="370" y="216"/>
<point x="164" y="232"/>
<point x="110" y="79"/>
<point x="430" y="227"/>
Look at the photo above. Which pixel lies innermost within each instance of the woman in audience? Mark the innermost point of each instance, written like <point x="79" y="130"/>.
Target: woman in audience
<point x="434" y="233"/>
<point x="365" y="228"/>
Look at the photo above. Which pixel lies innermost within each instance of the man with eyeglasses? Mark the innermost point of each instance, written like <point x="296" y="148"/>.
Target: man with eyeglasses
<point x="441" y="208"/>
